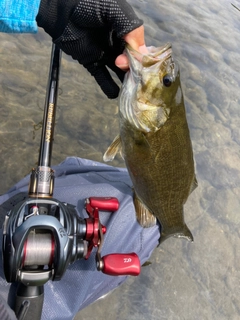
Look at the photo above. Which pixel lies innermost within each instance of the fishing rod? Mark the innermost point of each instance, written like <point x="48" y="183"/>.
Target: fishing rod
<point x="42" y="236"/>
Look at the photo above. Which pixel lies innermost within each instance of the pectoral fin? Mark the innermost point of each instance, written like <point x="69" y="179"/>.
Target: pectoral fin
<point x="113" y="149"/>
<point x="144" y="217"/>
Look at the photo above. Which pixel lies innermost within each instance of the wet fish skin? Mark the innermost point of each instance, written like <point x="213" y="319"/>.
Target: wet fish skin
<point x="155" y="142"/>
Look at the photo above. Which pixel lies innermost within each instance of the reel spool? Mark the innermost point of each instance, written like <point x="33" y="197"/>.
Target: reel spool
<point x="38" y="249"/>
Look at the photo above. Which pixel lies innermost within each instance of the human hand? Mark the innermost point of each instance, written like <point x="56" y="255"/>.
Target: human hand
<point x="136" y="40"/>
<point x="93" y="32"/>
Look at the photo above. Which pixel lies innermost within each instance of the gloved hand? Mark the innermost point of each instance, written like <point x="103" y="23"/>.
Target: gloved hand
<point x="91" y="32"/>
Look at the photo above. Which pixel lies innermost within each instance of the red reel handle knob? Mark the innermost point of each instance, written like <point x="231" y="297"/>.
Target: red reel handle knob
<point x="119" y="264"/>
<point x="104" y="203"/>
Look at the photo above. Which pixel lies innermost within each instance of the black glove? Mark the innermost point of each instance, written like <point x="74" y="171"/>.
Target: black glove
<point x="91" y="32"/>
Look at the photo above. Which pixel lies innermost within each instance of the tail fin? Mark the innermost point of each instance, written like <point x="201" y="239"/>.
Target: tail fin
<point x="177" y="232"/>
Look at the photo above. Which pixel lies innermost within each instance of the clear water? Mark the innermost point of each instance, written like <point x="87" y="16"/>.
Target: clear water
<point x="184" y="280"/>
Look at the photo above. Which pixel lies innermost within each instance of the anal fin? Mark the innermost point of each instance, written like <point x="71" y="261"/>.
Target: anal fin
<point x="144" y="217"/>
<point x="194" y="185"/>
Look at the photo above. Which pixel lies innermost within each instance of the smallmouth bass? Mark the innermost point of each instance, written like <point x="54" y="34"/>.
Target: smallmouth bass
<point x="154" y="141"/>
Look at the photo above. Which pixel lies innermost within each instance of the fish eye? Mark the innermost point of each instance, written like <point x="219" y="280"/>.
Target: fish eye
<point x="167" y="80"/>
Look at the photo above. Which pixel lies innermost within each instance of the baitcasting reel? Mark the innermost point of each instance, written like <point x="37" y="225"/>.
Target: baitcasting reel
<point x="38" y="247"/>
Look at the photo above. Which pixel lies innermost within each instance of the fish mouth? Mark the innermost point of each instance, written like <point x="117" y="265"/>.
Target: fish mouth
<point x="161" y="53"/>
<point x="155" y="54"/>
<point x="164" y="52"/>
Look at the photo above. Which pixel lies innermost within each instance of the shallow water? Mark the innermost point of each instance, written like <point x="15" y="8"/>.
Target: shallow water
<point x="184" y="280"/>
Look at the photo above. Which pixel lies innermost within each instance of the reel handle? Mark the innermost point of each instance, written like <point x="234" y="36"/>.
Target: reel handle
<point x="120" y="264"/>
<point x="110" y="204"/>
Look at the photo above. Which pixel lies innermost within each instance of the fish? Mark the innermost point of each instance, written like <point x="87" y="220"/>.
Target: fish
<point x="154" y="141"/>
